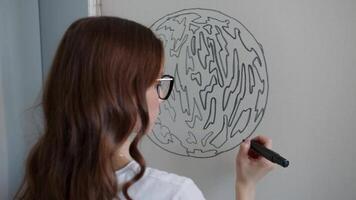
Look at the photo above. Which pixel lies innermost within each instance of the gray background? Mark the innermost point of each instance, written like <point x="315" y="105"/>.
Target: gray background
<point x="311" y="113"/>
<point x="24" y="26"/>
<point x="310" y="50"/>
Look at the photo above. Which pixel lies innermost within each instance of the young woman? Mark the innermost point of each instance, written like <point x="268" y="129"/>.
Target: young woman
<point x="101" y="97"/>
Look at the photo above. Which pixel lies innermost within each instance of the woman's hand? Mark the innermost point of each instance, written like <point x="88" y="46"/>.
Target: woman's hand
<point x="250" y="168"/>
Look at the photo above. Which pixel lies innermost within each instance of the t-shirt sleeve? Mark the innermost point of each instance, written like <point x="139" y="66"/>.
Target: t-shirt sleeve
<point x="189" y="191"/>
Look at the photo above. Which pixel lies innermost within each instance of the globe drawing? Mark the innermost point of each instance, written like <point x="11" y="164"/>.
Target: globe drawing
<point x="221" y="84"/>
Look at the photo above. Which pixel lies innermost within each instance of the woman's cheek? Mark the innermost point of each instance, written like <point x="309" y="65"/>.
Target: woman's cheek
<point x="153" y="104"/>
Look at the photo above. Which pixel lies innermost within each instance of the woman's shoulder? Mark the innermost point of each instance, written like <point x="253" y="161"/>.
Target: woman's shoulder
<point x="165" y="176"/>
<point x="153" y="174"/>
<point x="159" y="184"/>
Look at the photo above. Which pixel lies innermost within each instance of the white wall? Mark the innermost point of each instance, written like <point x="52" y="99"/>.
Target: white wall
<point x="310" y="50"/>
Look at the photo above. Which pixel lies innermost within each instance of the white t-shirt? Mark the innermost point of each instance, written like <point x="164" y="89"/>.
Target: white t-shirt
<point x="157" y="185"/>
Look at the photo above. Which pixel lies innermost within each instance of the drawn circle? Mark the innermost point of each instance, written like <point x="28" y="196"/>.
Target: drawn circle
<point x="221" y="83"/>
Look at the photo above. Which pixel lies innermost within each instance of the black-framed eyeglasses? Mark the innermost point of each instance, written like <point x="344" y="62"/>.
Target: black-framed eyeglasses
<point x="165" y="86"/>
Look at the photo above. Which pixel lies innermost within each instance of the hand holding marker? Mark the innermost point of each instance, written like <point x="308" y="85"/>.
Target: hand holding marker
<point x="268" y="154"/>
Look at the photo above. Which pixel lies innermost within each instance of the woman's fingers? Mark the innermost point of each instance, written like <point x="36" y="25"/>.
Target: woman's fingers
<point x="261" y="161"/>
<point x="251" y="167"/>
<point x="267" y="142"/>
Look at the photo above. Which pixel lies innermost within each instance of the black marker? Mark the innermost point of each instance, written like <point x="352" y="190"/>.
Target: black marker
<point x="269" y="154"/>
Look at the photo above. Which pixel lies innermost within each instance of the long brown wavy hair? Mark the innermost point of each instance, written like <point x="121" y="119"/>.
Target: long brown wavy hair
<point x="93" y="96"/>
